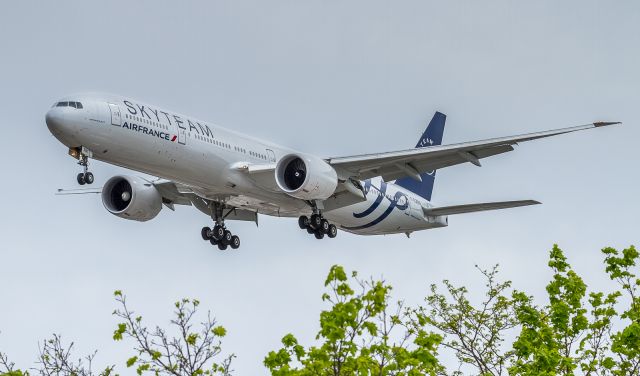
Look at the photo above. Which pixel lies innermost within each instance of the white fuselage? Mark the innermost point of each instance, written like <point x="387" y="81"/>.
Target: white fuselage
<point x="205" y="157"/>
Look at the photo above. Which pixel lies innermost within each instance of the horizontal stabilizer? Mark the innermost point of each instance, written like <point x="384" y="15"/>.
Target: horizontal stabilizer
<point x="460" y="209"/>
<point x="78" y="191"/>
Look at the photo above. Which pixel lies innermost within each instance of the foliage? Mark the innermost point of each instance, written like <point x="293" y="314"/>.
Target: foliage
<point x="474" y="334"/>
<point x="191" y="352"/>
<point x="55" y="359"/>
<point x="625" y="343"/>
<point x="359" y="336"/>
<point x="574" y="332"/>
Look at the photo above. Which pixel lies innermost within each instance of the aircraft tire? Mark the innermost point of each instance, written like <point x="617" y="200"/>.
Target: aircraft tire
<point x="303" y="222"/>
<point x="206" y="233"/>
<point x="88" y="178"/>
<point x="226" y="238"/>
<point x="80" y="179"/>
<point x="310" y="230"/>
<point x="218" y="232"/>
<point x="333" y="231"/>
<point x="324" y="226"/>
<point x="319" y="234"/>
<point x="315" y="221"/>
<point x="235" y="242"/>
<point x="213" y="241"/>
<point x="222" y="246"/>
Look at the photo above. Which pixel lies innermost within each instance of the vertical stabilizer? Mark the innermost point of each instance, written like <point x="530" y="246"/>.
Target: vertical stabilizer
<point x="432" y="136"/>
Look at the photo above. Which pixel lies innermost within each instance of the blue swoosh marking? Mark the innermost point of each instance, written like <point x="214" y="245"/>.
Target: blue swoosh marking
<point x="383" y="216"/>
<point x="376" y="203"/>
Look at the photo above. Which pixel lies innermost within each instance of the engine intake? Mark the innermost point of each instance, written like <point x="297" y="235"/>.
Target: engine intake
<point x="131" y="198"/>
<point x="306" y="177"/>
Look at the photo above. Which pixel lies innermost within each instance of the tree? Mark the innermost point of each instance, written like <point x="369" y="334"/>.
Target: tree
<point x="575" y="331"/>
<point x="54" y="358"/>
<point x="359" y="335"/>
<point x="191" y="352"/>
<point x="474" y="334"/>
<point x="625" y="343"/>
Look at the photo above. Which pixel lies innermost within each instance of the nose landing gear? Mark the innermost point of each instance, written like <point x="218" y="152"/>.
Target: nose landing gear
<point x="318" y="226"/>
<point x="83" y="154"/>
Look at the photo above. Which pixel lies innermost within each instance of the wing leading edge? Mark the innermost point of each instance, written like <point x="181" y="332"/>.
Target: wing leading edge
<point x="395" y="164"/>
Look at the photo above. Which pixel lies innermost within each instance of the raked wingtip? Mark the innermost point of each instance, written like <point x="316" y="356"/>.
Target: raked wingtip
<point x="605" y="123"/>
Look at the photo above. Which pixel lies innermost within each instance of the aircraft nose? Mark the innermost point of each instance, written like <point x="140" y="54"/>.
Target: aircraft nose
<point x="55" y="120"/>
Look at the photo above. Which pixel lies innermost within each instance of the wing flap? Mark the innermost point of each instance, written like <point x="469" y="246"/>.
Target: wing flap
<point x="471" y="208"/>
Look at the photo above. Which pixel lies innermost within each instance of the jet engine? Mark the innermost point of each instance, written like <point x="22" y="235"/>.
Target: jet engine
<point x="131" y="198"/>
<point x="306" y="177"/>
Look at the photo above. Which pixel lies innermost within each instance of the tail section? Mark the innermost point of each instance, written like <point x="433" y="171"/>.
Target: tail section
<point x="432" y="136"/>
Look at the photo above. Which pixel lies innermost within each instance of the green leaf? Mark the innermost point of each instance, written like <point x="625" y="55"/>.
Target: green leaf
<point x="117" y="334"/>
<point x="131" y="361"/>
<point x="219" y="331"/>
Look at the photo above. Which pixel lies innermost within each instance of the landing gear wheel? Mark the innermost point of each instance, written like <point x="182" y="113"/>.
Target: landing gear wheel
<point x="206" y="233"/>
<point x="218" y="232"/>
<point x="319" y="234"/>
<point x="310" y="230"/>
<point x="222" y="246"/>
<point x="213" y="241"/>
<point x="235" y="242"/>
<point x="315" y="221"/>
<point x="333" y="231"/>
<point x="88" y="178"/>
<point x="80" y="179"/>
<point x="226" y="238"/>
<point x="324" y="226"/>
<point x="303" y="222"/>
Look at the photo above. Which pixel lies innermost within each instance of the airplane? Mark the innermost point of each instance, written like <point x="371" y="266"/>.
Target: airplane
<point x="231" y="176"/>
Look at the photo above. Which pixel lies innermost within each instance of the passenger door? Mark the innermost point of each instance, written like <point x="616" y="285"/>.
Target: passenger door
<point x="116" y="116"/>
<point x="271" y="155"/>
<point x="182" y="133"/>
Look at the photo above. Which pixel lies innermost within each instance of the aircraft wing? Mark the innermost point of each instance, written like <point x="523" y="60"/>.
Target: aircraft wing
<point x="460" y="209"/>
<point x="178" y="194"/>
<point x="173" y="193"/>
<point x="413" y="162"/>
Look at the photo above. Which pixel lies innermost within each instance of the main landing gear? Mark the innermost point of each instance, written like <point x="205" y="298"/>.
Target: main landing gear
<point x="83" y="155"/>
<point x="318" y="226"/>
<point x="220" y="236"/>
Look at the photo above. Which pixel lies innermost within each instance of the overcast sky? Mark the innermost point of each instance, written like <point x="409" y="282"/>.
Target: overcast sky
<point x="327" y="77"/>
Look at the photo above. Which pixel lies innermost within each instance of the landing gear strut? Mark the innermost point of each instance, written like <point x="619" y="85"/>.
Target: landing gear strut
<point x="318" y="226"/>
<point x="219" y="235"/>
<point x="83" y="154"/>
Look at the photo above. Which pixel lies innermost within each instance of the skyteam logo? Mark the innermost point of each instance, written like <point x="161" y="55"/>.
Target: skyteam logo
<point x="399" y="200"/>
<point x="425" y="142"/>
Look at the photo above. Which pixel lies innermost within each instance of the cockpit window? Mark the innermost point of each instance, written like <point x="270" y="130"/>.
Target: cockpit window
<point x="69" y="104"/>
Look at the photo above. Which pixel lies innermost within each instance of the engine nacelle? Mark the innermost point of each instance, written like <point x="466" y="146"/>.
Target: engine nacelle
<point x="306" y="177"/>
<point x="131" y="198"/>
